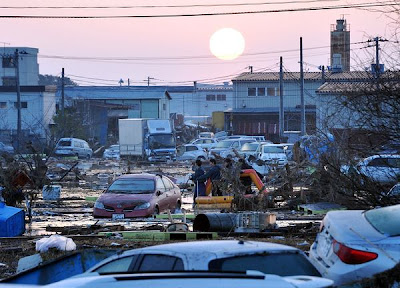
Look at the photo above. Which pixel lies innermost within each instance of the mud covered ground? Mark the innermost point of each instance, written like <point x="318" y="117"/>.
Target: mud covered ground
<point x="71" y="214"/>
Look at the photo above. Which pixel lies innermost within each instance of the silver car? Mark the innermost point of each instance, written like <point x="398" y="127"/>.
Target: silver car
<point x="219" y="255"/>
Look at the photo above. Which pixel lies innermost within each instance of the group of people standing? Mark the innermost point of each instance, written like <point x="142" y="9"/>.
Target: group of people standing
<point x="199" y="177"/>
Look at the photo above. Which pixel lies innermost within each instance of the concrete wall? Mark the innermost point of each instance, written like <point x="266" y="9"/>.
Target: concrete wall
<point x="291" y="94"/>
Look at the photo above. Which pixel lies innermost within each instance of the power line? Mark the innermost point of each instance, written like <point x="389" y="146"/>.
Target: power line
<point x="349" y="6"/>
<point x="179" y="57"/>
<point x="167" y="6"/>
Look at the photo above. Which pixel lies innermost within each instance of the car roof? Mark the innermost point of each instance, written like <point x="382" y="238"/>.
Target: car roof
<point x="225" y="247"/>
<point x="199" y="253"/>
<point x="138" y="176"/>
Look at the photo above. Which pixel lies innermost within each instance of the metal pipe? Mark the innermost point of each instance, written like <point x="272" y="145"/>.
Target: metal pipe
<point x="215" y="222"/>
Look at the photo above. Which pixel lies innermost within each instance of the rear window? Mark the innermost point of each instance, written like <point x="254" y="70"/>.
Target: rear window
<point x="385" y="220"/>
<point x="273" y="149"/>
<point x="131" y="186"/>
<point x="288" y="264"/>
<point x="64" y="143"/>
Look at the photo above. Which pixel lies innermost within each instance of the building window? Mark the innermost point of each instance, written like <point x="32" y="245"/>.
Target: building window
<point x="164" y="106"/>
<point x="3" y="105"/>
<point x="23" y="105"/>
<point x="8" y="62"/>
<point x="251" y="92"/>
<point x="9" y="81"/>
<point x="221" y="97"/>
<point x="210" y="97"/>
<point x="272" y="91"/>
<point x="260" y="91"/>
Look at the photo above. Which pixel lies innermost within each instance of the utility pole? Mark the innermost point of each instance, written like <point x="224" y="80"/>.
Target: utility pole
<point x="377" y="65"/>
<point x="281" y="111"/>
<point x="16" y="58"/>
<point x="303" y="109"/>
<point x="251" y="69"/>
<point x="148" y="81"/>
<point x="62" y="102"/>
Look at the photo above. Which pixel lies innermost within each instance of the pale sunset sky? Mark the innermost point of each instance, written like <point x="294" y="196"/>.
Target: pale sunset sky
<point x="175" y="50"/>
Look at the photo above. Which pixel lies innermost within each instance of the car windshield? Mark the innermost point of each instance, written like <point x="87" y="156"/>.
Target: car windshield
<point x="282" y="264"/>
<point x="131" y="186"/>
<point x="385" y="220"/>
<point x="162" y="141"/>
<point x="273" y="149"/>
<point x="114" y="148"/>
<point x="64" y="143"/>
<point x="249" y="147"/>
<point x="224" y="144"/>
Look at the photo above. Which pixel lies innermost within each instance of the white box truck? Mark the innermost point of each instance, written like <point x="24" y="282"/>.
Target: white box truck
<point x="150" y="139"/>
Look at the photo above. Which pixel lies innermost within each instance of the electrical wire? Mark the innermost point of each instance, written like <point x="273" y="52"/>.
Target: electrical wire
<point x="167" y="6"/>
<point x="348" y="6"/>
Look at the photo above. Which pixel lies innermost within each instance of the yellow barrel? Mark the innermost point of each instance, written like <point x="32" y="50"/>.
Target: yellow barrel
<point x="213" y="199"/>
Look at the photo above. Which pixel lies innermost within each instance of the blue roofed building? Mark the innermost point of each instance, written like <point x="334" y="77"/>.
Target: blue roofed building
<point x="102" y="106"/>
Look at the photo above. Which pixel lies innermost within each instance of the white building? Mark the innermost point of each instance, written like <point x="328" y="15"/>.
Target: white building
<point x="28" y="66"/>
<point x="37" y="102"/>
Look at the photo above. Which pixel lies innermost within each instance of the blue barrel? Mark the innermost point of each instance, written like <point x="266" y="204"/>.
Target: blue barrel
<point x="12" y="221"/>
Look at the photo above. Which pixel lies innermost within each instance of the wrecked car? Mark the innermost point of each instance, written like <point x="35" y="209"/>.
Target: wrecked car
<point x="138" y="195"/>
<point x="190" y="152"/>
<point x="357" y="244"/>
<point x="382" y="169"/>
<point x="112" y="152"/>
<point x="217" y="255"/>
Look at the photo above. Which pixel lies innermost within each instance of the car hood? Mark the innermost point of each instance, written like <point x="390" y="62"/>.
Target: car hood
<point x="111" y="198"/>
<point x="351" y="227"/>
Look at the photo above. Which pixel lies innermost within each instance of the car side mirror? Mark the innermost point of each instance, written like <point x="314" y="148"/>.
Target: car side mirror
<point x="158" y="193"/>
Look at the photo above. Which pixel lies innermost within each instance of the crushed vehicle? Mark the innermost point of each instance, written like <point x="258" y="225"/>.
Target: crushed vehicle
<point x="251" y="150"/>
<point x="190" y="152"/>
<point x="382" y="169"/>
<point x="6" y="148"/>
<point x="356" y="244"/>
<point x="225" y="147"/>
<point x="112" y="152"/>
<point x="274" y="154"/>
<point x="138" y="195"/>
<point x="205" y="143"/>
<point x="210" y="255"/>
<point x="150" y="139"/>
<point x="194" y="279"/>
<point x="73" y="147"/>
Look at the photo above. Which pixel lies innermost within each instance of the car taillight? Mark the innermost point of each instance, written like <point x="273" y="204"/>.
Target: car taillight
<point x="352" y="256"/>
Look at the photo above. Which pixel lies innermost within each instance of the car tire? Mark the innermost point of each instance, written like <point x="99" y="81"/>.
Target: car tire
<point x="156" y="211"/>
<point x="177" y="208"/>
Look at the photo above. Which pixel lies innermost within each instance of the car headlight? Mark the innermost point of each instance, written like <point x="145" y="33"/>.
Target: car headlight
<point x="142" y="206"/>
<point x="99" y="205"/>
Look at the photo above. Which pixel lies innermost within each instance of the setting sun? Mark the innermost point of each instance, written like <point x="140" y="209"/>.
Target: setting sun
<point x="227" y="44"/>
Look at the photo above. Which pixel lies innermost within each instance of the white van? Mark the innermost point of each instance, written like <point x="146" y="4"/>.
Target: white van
<point x="73" y="147"/>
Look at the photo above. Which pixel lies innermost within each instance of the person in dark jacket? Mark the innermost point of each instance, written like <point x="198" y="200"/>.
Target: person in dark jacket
<point x="200" y="187"/>
<point x="215" y="176"/>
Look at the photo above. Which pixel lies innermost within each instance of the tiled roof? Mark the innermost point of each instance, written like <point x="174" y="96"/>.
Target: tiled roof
<point x="316" y="76"/>
<point x="354" y="87"/>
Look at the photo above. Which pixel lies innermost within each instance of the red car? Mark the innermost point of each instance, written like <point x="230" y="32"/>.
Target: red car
<point x="138" y="195"/>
